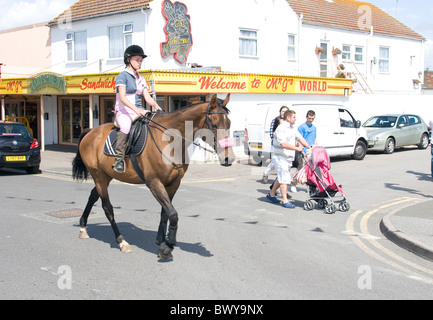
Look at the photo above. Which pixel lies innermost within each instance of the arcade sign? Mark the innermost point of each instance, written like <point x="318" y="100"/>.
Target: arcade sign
<point x="177" y="30"/>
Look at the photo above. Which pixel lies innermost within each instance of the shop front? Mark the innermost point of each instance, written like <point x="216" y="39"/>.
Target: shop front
<point x="61" y="107"/>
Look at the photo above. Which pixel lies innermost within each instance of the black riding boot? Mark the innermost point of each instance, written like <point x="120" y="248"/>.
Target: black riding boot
<point x="119" y="164"/>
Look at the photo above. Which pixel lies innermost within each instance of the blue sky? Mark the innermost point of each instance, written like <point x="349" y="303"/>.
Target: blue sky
<point x="416" y="14"/>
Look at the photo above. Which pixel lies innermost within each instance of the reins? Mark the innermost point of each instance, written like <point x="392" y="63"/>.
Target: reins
<point x="210" y="126"/>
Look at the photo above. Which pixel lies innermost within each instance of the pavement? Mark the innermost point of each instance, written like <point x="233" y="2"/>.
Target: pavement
<point x="410" y="227"/>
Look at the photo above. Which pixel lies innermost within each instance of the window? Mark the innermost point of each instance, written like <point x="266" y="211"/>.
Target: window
<point x="120" y="37"/>
<point x="76" y="46"/>
<point x="346" y="119"/>
<point x="345" y="53"/>
<point x="291" y="47"/>
<point x="324" y="60"/>
<point x="383" y="59"/>
<point x="413" y="120"/>
<point x="248" y="43"/>
<point x="359" y="54"/>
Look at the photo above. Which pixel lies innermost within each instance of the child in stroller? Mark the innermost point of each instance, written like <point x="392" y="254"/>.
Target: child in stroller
<point x="321" y="186"/>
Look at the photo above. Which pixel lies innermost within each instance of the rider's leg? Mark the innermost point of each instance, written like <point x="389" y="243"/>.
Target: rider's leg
<point x="119" y="164"/>
<point x="124" y="122"/>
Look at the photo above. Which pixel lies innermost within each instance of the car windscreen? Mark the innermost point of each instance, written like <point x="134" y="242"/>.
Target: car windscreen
<point x="380" y="122"/>
<point x="13" y="130"/>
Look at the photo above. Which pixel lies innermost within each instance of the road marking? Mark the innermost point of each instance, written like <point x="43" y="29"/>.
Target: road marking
<point x="207" y="181"/>
<point x="372" y="240"/>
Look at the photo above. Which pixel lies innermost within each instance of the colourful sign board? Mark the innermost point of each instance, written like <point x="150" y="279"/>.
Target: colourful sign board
<point x="179" y="82"/>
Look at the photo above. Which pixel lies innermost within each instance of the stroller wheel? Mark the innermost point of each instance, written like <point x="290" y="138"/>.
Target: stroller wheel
<point x="308" y="205"/>
<point x="344" y="206"/>
<point x="330" y="209"/>
<point x="322" y="203"/>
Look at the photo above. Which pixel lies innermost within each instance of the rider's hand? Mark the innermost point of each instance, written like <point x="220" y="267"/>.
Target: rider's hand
<point x="142" y="112"/>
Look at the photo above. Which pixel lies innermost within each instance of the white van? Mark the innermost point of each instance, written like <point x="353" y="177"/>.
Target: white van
<point x="337" y="129"/>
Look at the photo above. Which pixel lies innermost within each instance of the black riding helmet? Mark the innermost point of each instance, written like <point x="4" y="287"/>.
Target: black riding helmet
<point x="131" y="51"/>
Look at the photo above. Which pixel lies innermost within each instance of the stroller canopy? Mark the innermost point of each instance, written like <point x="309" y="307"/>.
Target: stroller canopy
<point x="318" y="166"/>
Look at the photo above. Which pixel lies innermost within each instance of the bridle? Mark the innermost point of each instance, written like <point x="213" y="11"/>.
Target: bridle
<point x="211" y="126"/>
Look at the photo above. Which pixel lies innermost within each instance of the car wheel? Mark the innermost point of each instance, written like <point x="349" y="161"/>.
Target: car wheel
<point x="257" y="161"/>
<point x="389" y="146"/>
<point x="32" y="170"/>
<point x="423" y="144"/>
<point x="360" y="150"/>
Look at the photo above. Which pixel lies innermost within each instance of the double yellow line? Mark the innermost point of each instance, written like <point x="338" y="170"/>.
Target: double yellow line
<point x="379" y="252"/>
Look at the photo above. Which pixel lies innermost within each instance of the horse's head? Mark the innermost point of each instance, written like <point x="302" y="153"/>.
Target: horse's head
<point x="218" y="122"/>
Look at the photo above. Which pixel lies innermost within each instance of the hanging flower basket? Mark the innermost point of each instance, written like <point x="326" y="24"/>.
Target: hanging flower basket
<point x="335" y="51"/>
<point x="319" y="50"/>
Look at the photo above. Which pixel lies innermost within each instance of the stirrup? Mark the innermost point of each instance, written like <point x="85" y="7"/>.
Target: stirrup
<point x="119" y="165"/>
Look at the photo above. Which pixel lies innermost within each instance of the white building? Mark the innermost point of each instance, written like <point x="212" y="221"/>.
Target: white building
<point x="231" y="38"/>
<point x="253" y="36"/>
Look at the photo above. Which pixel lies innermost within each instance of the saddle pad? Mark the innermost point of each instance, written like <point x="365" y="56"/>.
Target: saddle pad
<point x="135" y="143"/>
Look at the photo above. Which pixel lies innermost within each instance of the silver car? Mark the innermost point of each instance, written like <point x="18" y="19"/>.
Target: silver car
<point x="391" y="131"/>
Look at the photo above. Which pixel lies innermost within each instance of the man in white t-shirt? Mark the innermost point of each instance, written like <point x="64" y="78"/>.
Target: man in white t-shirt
<point x="287" y="140"/>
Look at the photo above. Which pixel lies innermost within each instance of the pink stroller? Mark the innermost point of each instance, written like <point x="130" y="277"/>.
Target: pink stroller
<point x="321" y="186"/>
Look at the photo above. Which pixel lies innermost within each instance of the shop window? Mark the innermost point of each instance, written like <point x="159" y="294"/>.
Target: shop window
<point x="74" y="118"/>
<point x="107" y="110"/>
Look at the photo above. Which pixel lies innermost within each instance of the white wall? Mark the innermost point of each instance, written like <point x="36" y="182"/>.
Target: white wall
<point x="364" y="106"/>
<point x="97" y="44"/>
<point x="402" y="71"/>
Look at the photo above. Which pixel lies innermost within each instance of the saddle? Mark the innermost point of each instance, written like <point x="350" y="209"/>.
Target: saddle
<point x="135" y="142"/>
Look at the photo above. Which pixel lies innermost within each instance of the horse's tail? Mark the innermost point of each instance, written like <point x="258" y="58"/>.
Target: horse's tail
<point x="79" y="169"/>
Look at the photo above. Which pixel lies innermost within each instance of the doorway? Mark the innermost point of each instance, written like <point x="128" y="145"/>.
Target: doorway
<point x="74" y="118"/>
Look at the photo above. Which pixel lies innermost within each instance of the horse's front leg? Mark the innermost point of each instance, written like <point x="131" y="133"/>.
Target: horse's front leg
<point x="162" y="229"/>
<point x="166" y="240"/>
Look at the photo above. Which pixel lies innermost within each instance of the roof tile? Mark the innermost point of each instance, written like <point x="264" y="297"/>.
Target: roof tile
<point x="91" y="8"/>
<point x="348" y="14"/>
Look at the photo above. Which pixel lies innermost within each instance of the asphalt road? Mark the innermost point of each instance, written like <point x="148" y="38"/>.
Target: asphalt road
<point x="232" y="243"/>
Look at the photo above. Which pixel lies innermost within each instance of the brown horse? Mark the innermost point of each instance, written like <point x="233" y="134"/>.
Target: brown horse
<point x="162" y="172"/>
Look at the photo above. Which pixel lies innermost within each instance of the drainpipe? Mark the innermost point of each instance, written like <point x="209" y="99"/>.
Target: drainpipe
<point x="368" y="54"/>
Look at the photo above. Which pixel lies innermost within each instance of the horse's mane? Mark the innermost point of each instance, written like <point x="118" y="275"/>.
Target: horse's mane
<point x="220" y="104"/>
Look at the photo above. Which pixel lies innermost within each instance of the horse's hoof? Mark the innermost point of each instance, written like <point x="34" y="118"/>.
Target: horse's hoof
<point x="83" y="234"/>
<point x="164" y="252"/>
<point x="125" y="247"/>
